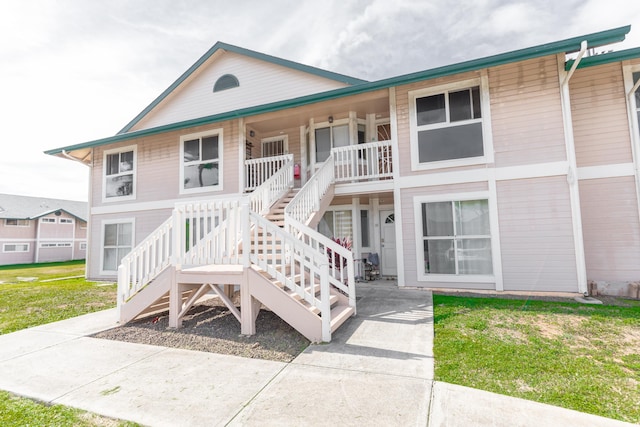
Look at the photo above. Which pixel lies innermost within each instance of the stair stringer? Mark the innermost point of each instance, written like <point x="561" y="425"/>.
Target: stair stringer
<point x="282" y="304"/>
<point x="147" y="297"/>
<point x="325" y="202"/>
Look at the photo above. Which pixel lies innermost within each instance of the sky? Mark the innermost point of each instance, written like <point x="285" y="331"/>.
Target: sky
<point x="72" y="71"/>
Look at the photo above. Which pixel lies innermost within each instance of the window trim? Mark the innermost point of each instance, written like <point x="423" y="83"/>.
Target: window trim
<point x="285" y="147"/>
<point x="451" y="278"/>
<point x="17" y="220"/>
<point x="48" y="220"/>
<point x="83" y="246"/>
<point x="487" y="139"/>
<point x="222" y="83"/>
<point x="212" y="188"/>
<point x="4" y="248"/>
<point x="119" y="150"/>
<point x="66" y="221"/>
<point x="106" y="222"/>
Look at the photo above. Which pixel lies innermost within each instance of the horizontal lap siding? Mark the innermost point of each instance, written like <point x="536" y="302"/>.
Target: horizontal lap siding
<point x="411" y="231"/>
<point x="611" y="229"/>
<point x="599" y="113"/>
<point x="260" y="83"/>
<point x="536" y="235"/>
<point x="526" y="114"/>
<point x="404" y="129"/>
<point x="145" y="223"/>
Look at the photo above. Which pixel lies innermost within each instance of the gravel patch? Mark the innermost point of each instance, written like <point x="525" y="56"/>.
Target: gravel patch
<point x="210" y="326"/>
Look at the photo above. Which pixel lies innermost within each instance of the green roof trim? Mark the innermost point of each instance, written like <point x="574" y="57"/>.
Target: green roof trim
<point x="246" y="52"/>
<point x="605" y="58"/>
<point x="568" y="45"/>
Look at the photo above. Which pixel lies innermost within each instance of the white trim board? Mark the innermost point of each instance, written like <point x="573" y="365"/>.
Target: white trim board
<point x="606" y="171"/>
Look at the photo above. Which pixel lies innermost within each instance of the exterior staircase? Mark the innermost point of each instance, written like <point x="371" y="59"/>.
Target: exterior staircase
<point x="250" y="243"/>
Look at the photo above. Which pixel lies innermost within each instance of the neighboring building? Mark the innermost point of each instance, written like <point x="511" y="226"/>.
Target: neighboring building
<point x="514" y="172"/>
<point x="37" y="229"/>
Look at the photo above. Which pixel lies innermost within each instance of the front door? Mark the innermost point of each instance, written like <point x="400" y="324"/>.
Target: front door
<point x="388" y="261"/>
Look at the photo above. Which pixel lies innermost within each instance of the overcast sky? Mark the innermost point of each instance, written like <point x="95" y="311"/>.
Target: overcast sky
<point x="76" y="70"/>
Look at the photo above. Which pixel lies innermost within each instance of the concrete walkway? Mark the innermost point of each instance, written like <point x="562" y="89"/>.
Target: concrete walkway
<point x="377" y="371"/>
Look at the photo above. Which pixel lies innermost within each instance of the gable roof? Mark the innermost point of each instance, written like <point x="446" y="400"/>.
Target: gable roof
<point x="22" y="207"/>
<point x="563" y="46"/>
<point x="220" y="46"/>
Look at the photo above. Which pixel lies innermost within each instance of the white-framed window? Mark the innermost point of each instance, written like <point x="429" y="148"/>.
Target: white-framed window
<point x="336" y="135"/>
<point x="55" y="245"/>
<point x="450" y="125"/>
<point x="337" y="223"/>
<point x="454" y="238"/>
<point x="83" y="246"/>
<point x="48" y="220"/>
<point x="15" y="247"/>
<point x="120" y="174"/>
<point x="201" y="162"/>
<point x="66" y="221"/>
<point x="16" y="222"/>
<point x="275" y="146"/>
<point x="117" y="241"/>
<point x="364" y="229"/>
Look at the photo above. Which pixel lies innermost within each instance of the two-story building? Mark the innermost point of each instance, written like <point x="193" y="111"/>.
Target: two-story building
<point x="516" y="172"/>
<point x="37" y="229"/>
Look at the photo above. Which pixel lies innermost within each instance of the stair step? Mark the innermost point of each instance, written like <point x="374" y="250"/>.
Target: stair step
<point x="339" y="315"/>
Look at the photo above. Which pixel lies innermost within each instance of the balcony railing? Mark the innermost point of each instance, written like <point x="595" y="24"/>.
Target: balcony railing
<point x="257" y="171"/>
<point x="363" y="162"/>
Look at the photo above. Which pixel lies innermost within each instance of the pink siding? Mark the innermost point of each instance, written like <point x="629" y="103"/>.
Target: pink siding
<point x="599" y="112"/>
<point x="611" y="228"/>
<point x="158" y="166"/>
<point x="57" y="230"/>
<point x="8" y="258"/>
<point x="411" y="232"/>
<point x="536" y="235"/>
<point x="526" y="114"/>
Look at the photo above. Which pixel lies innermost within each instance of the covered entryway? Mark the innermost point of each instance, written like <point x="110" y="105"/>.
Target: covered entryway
<point x="388" y="261"/>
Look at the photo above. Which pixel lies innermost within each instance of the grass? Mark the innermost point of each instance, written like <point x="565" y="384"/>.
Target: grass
<point x="582" y="357"/>
<point x="26" y="304"/>
<point x="19" y="412"/>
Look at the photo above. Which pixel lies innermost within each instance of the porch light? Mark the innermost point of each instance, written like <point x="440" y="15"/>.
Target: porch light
<point x="330" y="119"/>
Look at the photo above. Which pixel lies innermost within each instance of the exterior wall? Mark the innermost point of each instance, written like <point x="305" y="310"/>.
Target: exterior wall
<point x="526" y="114"/>
<point x="611" y="229"/>
<point x="536" y="235"/>
<point x="599" y="112"/>
<point x="260" y="83"/>
<point x="411" y="230"/>
<point x="12" y="234"/>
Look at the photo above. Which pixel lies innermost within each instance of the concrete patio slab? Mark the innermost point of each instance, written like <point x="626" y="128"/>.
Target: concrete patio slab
<point x="177" y="388"/>
<point x="318" y="396"/>
<point x="27" y="341"/>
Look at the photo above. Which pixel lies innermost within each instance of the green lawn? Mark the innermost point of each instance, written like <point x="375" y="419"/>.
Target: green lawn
<point x="582" y="357"/>
<point x="25" y="304"/>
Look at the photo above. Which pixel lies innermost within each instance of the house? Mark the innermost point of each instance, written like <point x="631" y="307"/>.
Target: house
<point x="511" y="173"/>
<point x="38" y="229"/>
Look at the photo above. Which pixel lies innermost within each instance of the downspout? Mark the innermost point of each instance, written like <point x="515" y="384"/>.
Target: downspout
<point x="572" y="177"/>
<point x="634" y="135"/>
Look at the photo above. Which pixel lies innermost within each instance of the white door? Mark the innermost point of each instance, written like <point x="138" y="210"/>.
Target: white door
<point x="388" y="261"/>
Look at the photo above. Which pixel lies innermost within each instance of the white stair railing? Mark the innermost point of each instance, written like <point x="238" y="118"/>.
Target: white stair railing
<point x="308" y="198"/>
<point x="257" y="171"/>
<point x="273" y="188"/>
<point x="363" y="161"/>
<point x="146" y="261"/>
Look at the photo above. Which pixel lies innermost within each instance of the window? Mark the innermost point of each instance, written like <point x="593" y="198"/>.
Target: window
<point x="456" y="238"/>
<point x="447" y="125"/>
<point x="274" y="146"/>
<point x="66" y="221"/>
<point x="15" y="247"/>
<point x="228" y="81"/>
<point x="16" y="222"/>
<point x="83" y="246"/>
<point x="336" y="224"/>
<point x="328" y="138"/>
<point x="117" y="242"/>
<point x="201" y="169"/>
<point x="364" y="228"/>
<point x="55" y="245"/>
<point x="48" y="220"/>
<point x="119" y="174"/>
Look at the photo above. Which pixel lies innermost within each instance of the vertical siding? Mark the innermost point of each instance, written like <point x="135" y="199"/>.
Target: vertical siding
<point x="526" y="113"/>
<point x="611" y="229"/>
<point x="536" y="235"/>
<point x="260" y="83"/>
<point x="411" y="230"/>
<point x="599" y="112"/>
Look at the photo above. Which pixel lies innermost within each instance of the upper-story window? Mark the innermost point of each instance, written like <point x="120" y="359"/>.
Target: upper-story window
<point x="228" y="81"/>
<point x="328" y="138"/>
<point x="201" y="168"/>
<point x="119" y="174"/>
<point x="16" y="222"/>
<point x="66" y="221"/>
<point x="48" y="220"/>
<point x="447" y="125"/>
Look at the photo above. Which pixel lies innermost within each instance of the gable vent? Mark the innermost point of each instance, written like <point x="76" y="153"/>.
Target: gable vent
<point x="225" y="82"/>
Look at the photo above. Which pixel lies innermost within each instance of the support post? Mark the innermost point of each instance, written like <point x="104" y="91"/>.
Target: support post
<point x="325" y="303"/>
<point x="247" y="308"/>
<point x="175" y="301"/>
